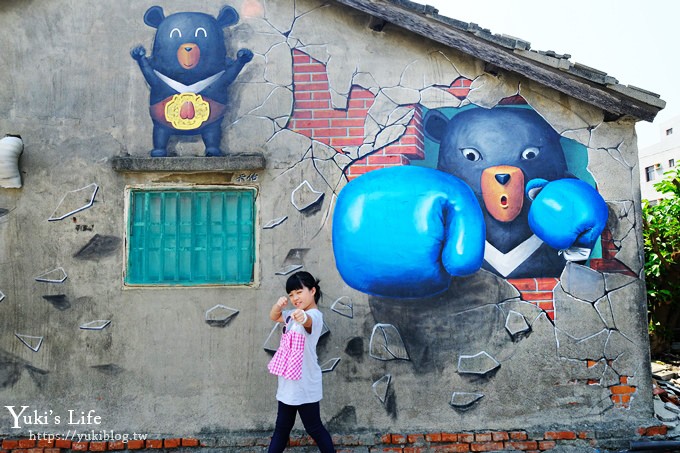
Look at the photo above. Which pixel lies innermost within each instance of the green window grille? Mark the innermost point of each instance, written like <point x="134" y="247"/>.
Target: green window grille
<point x="191" y="237"/>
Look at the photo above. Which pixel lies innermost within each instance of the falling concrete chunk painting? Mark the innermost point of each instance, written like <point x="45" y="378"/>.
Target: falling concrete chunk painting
<point x="516" y="324"/>
<point x="329" y="365"/>
<point x="274" y="223"/>
<point x="99" y="324"/>
<point x="30" y="341"/>
<point x="304" y="197"/>
<point x="74" y="202"/>
<point x="220" y="315"/>
<point x="2" y="296"/>
<point x="481" y="363"/>
<point x="381" y="387"/>
<point x="464" y="401"/>
<point x="11" y="148"/>
<point x="343" y="306"/>
<point x="386" y="343"/>
<point x="271" y="344"/>
<point x="57" y="275"/>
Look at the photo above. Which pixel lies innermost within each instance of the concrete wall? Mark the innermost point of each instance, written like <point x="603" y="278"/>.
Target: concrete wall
<point x="576" y="350"/>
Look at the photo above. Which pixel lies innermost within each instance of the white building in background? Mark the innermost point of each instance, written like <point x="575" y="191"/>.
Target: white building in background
<point x="659" y="158"/>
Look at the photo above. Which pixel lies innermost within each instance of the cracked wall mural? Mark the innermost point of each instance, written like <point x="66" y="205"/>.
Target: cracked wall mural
<point x="523" y="318"/>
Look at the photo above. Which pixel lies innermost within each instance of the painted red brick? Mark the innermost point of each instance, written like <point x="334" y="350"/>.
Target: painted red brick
<point x="537" y="295"/>
<point x="547" y="284"/>
<point x="560" y="435"/>
<point x="309" y="68"/>
<point x="524" y="284"/>
<point x="320" y="77"/>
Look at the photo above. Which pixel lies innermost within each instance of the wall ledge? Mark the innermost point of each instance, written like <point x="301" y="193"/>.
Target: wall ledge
<point x="228" y="163"/>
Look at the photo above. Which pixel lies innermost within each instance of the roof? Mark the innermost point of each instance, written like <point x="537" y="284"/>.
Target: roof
<point x="512" y="54"/>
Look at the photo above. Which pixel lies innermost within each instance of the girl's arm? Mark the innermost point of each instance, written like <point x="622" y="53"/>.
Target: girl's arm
<point x="276" y="312"/>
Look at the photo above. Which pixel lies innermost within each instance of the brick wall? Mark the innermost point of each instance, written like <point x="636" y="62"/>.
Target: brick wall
<point x="416" y="442"/>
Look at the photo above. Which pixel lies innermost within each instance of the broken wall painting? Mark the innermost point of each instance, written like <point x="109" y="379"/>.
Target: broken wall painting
<point x="189" y="74"/>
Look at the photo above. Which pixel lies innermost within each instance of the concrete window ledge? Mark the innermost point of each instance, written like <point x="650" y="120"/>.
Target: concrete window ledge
<point x="228" y="163"/>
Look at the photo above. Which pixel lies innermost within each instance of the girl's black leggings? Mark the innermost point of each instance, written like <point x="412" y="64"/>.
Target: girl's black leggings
<point x="311" y="419"/>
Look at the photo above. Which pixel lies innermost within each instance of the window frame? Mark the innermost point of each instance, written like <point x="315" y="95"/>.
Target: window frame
<point x="650" y="173"/>
<point x="173" y="188"/>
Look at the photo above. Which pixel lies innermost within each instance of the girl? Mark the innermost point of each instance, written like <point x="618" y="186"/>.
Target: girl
<point x="301" y="396"/>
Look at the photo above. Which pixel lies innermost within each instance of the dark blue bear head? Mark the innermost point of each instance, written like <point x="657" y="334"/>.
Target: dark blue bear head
<point x="189" y="46"/>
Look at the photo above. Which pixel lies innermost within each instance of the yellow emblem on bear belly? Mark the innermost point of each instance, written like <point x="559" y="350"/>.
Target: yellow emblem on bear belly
<point x="187" y="111"/>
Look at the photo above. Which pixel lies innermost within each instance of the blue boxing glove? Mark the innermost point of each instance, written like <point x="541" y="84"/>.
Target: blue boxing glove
<point x="402" y="232"/>
<point x="568" y="215"/>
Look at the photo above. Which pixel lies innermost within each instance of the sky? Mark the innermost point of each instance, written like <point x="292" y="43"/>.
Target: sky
<point x="632" y="41"/>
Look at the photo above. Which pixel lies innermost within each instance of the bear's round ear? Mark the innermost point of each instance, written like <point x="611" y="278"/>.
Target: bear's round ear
<point x="435" y="125"/>
<point x="228" y="16"/>
<point x="154" y="16"/>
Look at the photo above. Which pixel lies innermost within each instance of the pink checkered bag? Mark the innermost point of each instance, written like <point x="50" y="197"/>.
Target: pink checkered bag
<point x="287" y="361"/>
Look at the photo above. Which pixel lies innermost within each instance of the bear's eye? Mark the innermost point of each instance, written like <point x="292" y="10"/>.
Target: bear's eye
<point x="471" y="154"/>
<point x="175" y="33"/>
<point x="530" y="153"/>
<point x="201" y="30"/>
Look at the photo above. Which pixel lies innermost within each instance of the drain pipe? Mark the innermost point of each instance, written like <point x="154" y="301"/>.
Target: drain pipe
<point x="11" y="147"/>
<point x="654" y="445"/>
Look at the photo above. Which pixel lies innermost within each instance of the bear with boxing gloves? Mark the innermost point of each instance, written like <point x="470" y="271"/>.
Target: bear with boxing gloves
<point x="501" y="199"/>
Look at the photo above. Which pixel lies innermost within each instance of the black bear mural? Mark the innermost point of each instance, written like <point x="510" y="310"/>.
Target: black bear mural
<point x="189" y="73"/>
<point x="402" y="232"/>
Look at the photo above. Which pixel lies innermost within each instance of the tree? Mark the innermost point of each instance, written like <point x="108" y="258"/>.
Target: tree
<point x="661" y="231"/>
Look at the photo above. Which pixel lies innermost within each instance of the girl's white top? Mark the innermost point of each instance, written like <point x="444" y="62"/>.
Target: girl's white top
<point x="309" y="388"/>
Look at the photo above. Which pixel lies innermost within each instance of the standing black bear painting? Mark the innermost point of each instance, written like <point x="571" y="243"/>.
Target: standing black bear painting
<point x="189" y="73"/>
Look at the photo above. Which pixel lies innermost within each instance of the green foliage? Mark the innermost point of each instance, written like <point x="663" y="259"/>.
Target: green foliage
<point x="661" y="231"/>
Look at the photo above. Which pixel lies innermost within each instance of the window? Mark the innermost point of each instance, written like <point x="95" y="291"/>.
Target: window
<point x="202" y="236"/>
<point x="671" y="163"/>
<point x="669" y="131"/>
<point x="649" y="173"/>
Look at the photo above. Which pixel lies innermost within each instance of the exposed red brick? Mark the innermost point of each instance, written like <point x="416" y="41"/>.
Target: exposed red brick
<point x="116" y="445"/>
<point x="10" y="444"/>
<point x="62" y="443"/>
<point x="522" y="445"/>
<point x="486" y="446"/>
<point x="27" y="443"/>
<point x="190" y="442"/>
<point x="35" y="450"/>
<point x="415" y="449"/>
<point x="483" y="437"/>
<point x="386" y="439"/>
<point x="154" y="443"/>
<point x="660" y="430"/>
<point x="622" y="389"/>
<point x="97" y="446"/>
<point x="398" y="438"/>
<point x="415" y="438"/>
<point x="172" y="443"/>
<point x="449" y="437"/>
<point x="499" y="435"/>
<point x="544" y="445"/>
<point x="560" y="435"/>
<point x="451" y="448"/>
<point x="518" y="435"/>
<point x="434" y="437"/>
<point x="135" y="444"/>
<point x="53" y="450"/>
<point x="79" y="446"/>
<point x="45" y="443"/>
<point x="466" y="437"/>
